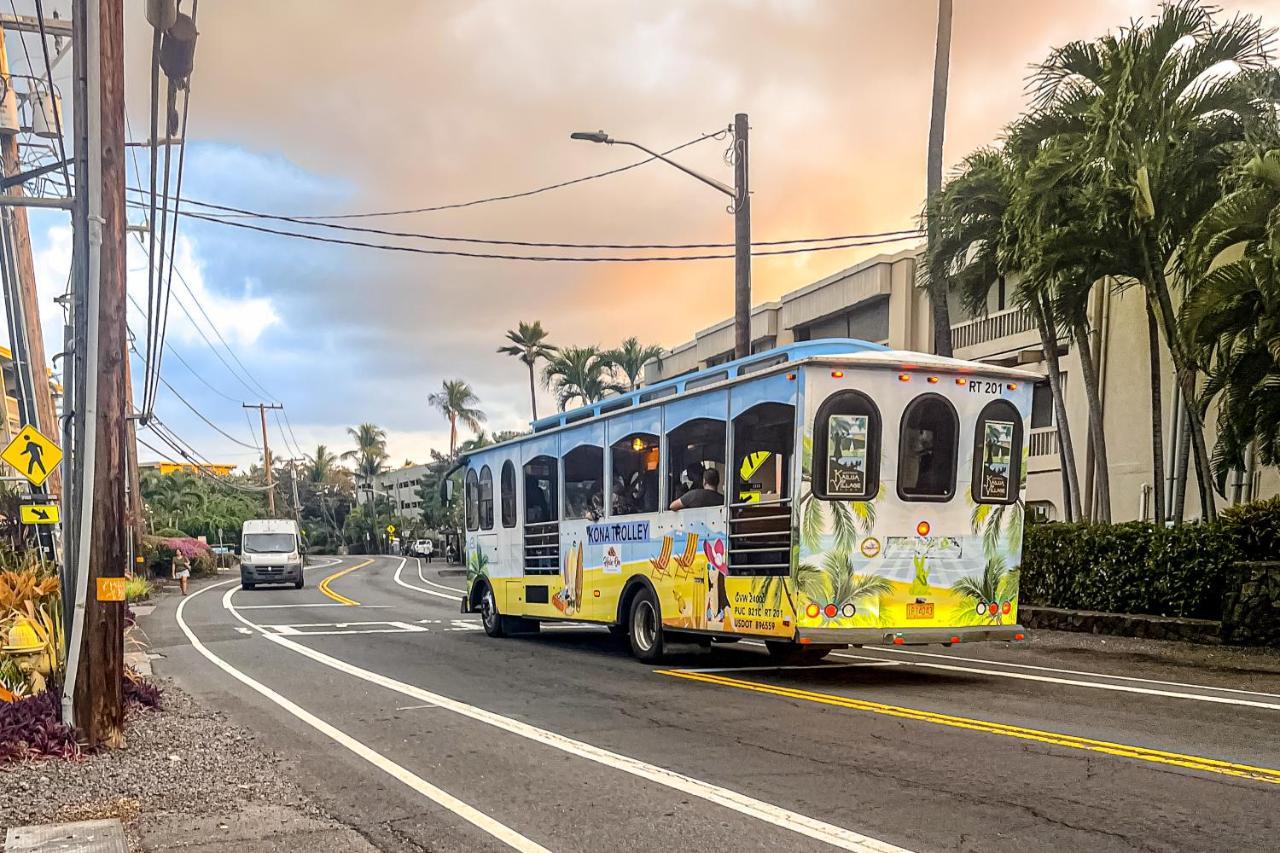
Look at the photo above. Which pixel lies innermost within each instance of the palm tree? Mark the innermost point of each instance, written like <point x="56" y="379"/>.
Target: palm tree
<point x="1231" y="318"/>
<point x="320" y="466"/>
<point x="370" y="452"/>
<point x="576" y="373"/>
<point x="457" y="402"/>
<point x="933" y="178"/>
<point x="1144" y="119"/>
<point x="630" y="359"/>
<point x="978" y="239"/>
<point x="836" y="582"/>
<point x="529" y="344"/>
<point x="995" y="586"/>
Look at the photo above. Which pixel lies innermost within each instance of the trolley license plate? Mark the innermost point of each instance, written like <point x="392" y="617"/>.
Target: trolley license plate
<point x="917" y="610"/>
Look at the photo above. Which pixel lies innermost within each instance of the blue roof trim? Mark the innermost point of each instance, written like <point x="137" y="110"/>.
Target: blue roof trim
<point x="795" y="352"/>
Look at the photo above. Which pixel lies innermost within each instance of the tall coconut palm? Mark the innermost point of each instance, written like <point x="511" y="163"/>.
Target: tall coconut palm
<point x="320" y="466"/>
<point x="629" y="359"/>
<point x="370" y="452"/>
<point x="529" y="344"/>
<point x="1145" y="117"/>
<point x="457" y="402"/>
<point x="937" y="284"/>
<point x="577" y="373"/>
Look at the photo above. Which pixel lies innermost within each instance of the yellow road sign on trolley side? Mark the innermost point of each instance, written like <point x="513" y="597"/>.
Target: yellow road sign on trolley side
<point x="39" y="513"/>
<point x="32" y="455"/>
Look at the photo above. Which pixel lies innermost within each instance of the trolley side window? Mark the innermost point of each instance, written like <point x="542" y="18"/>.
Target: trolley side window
<point x="635" y="460"/>
<point x="997" y="454"/>
<point x="927" y="449"/>
<point x="508" y="494"/>
<point x="846" y="448"/>
<point x="472" y="488"/>
<point x="763" y="437"/>
<point x="694" y="448"/>
<point x="485" y="500"/>
<point x="541" y="502"/>
<point x="584" y="482"/>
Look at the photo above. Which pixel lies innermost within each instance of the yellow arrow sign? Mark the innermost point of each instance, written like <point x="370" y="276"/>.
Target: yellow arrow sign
<point x="32" y="455"/>
<point x="39" y="513"/>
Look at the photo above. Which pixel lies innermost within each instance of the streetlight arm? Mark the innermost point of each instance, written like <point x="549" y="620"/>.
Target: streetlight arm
<point x="711" y="182"/>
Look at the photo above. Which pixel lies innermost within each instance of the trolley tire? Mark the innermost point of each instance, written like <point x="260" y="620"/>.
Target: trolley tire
<point x="494" y="623"/>
<point x="645" y="623"/>
<point x="794" y="653"/>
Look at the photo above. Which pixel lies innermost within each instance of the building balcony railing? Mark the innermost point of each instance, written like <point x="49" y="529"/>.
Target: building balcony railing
<point x="1002" y="324"/>
<point x="1043" y="442"/>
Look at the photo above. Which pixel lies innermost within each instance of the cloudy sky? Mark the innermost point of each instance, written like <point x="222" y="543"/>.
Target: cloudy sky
<point x="322" y="106"/>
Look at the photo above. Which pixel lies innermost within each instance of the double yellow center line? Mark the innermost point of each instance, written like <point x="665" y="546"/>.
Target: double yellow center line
<point x="1190" y="762"/>
<point x="341" y="599"/>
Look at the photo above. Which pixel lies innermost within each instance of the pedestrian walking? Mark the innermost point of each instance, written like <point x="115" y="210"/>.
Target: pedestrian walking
<point x="182" y="571"/>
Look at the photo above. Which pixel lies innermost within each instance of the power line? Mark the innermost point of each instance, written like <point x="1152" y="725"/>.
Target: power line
<point x="546" y="258"/>
<point x="200" y="470"/>
<point x="196" y="411"/>
<point x="719" y="134"/>
<point x="186" y="363"/>
<point x="417" y="235"/>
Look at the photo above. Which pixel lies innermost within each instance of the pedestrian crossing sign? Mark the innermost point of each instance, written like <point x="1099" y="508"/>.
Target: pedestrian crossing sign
<point x="32" y="455"/>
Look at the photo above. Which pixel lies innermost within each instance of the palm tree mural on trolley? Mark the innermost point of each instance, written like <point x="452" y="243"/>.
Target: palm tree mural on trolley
<point x="838" y="590"/>
<point x="989" y="598"/>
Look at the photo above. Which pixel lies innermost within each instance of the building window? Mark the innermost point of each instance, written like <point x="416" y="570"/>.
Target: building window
<point x="846" y="448"/>
<point x="694" y="448"/>
<point x="508" y="494"/>
<point x="1042" y="405"/>
<point x="472" y="500"/>
<point x="584" y="482"/>
<point x="486" y="498"/>
<point x="997" y="454"/>
<point x="541" y="501"/>
<point x="635" y="461"/>
<point x="763" y="437"/>
<point x="927" y="449"/>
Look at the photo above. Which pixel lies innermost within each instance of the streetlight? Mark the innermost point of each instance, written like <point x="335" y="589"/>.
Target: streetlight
<point x="741" y="207"/>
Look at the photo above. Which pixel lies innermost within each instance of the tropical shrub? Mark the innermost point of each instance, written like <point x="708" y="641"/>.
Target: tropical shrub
<point x="1144" y="568"/>
<point x="140" y="691"/>
<point x="30" y="728"/>
<point x="158" y="553"/>
<point x="137" y="588"/>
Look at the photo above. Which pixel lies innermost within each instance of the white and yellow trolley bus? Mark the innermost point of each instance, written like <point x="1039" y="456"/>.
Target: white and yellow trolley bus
<point x="819" y="495"/>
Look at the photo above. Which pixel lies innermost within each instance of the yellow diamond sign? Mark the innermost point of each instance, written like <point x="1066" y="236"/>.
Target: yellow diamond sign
<point x="39" y="513"/>
<point x="32" y="455"/>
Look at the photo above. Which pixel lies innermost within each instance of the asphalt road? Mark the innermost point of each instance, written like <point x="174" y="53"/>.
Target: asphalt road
<point x="411" y="725"/>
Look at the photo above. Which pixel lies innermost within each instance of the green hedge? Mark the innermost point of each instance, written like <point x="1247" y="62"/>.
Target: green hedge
<point x="1141" y="568"/>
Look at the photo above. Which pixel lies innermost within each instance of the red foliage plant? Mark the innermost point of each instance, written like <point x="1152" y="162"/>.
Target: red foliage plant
<point x="30" y="729"/>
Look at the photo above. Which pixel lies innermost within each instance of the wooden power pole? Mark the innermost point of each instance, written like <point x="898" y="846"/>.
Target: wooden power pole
<point x="44" y="418"/>
<point x="741" y="240"/>
<point x="99" y="708"/>
<point x="266" y="452"/>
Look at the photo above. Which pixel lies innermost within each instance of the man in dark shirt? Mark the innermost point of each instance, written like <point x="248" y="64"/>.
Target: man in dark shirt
<point x="707" y="494"/>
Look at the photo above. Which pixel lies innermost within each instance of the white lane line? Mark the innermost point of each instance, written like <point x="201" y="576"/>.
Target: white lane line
<point x="1079" y="672"/>
<point x="1075" y="682"/>
<point x="423" y="578"/>
<point x="423" y="589"/>
<point x="442" y="798"/>
<point x="290" y="606"/>
<point x="818" y="830"/>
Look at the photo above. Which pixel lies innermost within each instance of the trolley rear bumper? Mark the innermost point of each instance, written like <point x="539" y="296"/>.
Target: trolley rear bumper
<point x="910" y="636"/>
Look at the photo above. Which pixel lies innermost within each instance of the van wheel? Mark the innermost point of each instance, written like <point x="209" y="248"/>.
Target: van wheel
<point x="493" y="621"/>
<point x="299" y="583"/>
<point x="646" y="626"/>
<point x="246" y="585"/>
<point x="794" y="653"/>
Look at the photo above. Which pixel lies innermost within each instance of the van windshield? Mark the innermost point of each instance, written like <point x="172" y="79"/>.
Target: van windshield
<point x="268" y="543"/>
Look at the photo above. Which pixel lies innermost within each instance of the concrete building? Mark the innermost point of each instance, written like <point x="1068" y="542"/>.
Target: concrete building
<point x="400" y="487"/>
<point x="877" y="300"/>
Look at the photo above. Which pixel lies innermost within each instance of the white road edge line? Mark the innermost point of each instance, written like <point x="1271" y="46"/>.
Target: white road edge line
<point x="442" y="798"/>
<point x="290" y="606"/>
<point x="818" y="830"/>
<point x="423" y="578"/>
<point x="1081" y="672"/>
<point x="422" y="589"/>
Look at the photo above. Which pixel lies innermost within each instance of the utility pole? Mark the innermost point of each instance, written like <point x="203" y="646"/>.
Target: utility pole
<point x="741" y="240"/>
<point x="266" y="452"/>
<point x="28" y="350"/>
<point x="933" y="174"/>
<point x="96" y="660"/>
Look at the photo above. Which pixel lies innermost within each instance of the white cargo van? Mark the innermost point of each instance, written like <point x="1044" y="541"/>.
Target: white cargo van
<point x="270" y="552"/>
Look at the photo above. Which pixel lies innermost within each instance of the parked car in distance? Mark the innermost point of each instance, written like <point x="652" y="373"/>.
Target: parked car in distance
<point x="424" y="548"/>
